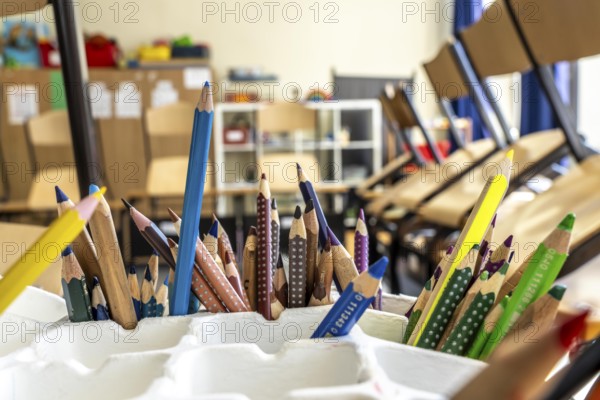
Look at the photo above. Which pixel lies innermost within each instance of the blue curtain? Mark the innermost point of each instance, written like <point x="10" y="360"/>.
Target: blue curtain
<point x="536" y="113"/>
<point x="465" y="13"/>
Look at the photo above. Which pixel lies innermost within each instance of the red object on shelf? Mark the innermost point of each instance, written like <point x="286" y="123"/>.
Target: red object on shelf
<point x="443" y="146"/>
<point x="49" y="55"/>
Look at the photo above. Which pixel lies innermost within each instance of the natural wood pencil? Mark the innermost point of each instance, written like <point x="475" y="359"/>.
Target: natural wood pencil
<point x="250" y="265"/>
<point x="147" y="296"/>
<point x="211" y="242"/>
<point x="134" y="289"/>
<point x="162" y="299"/>
<point x="321" y="293"/>
<point x="276" y="306"/>
<point x="344" y="268"/>
<point x="153" y="264"/>
<point x="99" y="306"/>
<point x="263" y="272"/>
<point x="280" y="283"/>
<point x="498" y="256"/>
<point x="111" y="263"/>
<point x="233" y="277"/>
<point x="311" y="224"/>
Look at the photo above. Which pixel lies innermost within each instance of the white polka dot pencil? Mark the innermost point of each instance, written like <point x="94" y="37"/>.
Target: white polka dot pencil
<point x="147" y="296"/>
<point x="75" y="291"/>
<point x="263" y="267"/>
<point x="99" y="306"/>
<point x="280" y="283"/>
<point x="200" y="287"/>
<point x="472" y="315"/>
<point x="226" y="249"/>
<point x="297" y="261"/>
<point x="233" y="277"/>
<point x="249" y="268"/>
<point x="344" y="268"/>
<point x="353" y="302"/>
<point x="311" y="224"/>
<point x="275" y="235"/>
<point x="487" y="328"/>
<point x="361" y="243"/>
<point x="321" y="293"/>
<point x="162" y="298"/>
<point x="448" y="301"/>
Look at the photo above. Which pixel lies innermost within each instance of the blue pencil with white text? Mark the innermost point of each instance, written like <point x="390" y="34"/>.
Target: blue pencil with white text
<point x="351" y="305"/>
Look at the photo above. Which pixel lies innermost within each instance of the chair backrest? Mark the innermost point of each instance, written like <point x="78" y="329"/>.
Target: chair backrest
<point x="285" y="117"/>
<point x="445" y="75"/>
<point x="493" y="44"/>
<point x="559" y="30"/>
<point x="49" y="137"/>
<point x="168" y="130"/>
<point x="280" y="169"/>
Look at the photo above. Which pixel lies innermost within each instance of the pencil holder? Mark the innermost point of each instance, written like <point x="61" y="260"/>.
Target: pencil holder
<point x="239" y="355"/>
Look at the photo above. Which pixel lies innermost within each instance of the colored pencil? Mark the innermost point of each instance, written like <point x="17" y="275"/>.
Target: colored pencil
<point x="498" y="256"/>
<point x="515" y="272"/>
<point x="321" y="293"/>
<point x="543" y="267"/>
<point x="308" y="193"/>
<point x="297" y="261"/>
<point x="192" y="201"/>
<point x="31" y="265"/>
<point x="226" y="249"/>
<point x="82" y="245"/>
<point x="353" y="302"/>
<point x="540" y="314"/>
<point x="147" y="296"/>
<point x="263" y="266"/>
<point x="280" y="283"/>
<point x="200" y="287"/>
<point x="311" y="225"/>
<point x="449" y="299"/>
<point x="521" y="373"/>
<point x="472" y="233"/>
<point x="275" y="235"/>
<point x="114" y="278"/>
<point x="484" y="250"/>
<point x="99" y="307"/>
<point x="361" y="243"/>
<point x="343" y="264"/>
<point x="162" y="299"/>
<point x="211" y="241"/>
<point x="417" y="310"/>
<point x="471" y="317"/>
<point x="77" y="297"/>
<point x="487" y="328"/>
<point x="134" y="289"/>
<point x="233" y="277"/>
<point x="153" y="264"/>
<point x="150" y="232"/>
<point x="249" y="265"/>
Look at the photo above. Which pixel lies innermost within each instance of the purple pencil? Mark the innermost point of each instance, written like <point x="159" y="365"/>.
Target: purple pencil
<point x="361" y="243"/>
<point x="498" y="257"/>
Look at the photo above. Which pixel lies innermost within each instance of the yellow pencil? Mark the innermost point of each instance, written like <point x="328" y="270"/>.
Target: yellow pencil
<point x="36" y="259"/>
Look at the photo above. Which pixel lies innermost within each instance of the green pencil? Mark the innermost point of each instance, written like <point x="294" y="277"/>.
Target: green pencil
<point x="539" y="274"/>
<point x="75" y="289"/>
<point x="487" y="328"/>
<point x="417" y="310"/>
<point x="449" y="299"/>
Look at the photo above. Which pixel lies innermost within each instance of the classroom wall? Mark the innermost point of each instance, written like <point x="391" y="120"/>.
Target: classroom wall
<point x="589" y="87"/>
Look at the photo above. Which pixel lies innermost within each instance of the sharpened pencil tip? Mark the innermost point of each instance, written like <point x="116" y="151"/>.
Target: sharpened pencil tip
<point x="567" y="223"/>
<point x="508" y="241"/>
<point x="132" y="269"/>
<point x="572" y="329"/>
<point x="252" y="231"/>
<point x="494" y="221"/>
<point x="484" y="275"/>
<point x="279" y="262"/>
<point x="377" y="269"/>
<point x="174" y="217"/>
<point x="68" y="250"/>
<point x="273" y="204"/>
<point x="510" y="154"/>
<point x="93" y="189"/>
<point x="228" y="258"/>
<point x="147" y="274"/>
<point x="510" y="256"/>
<point x="166" y="281"/>
<point x="557" y="291"/>
<point x="154" y="253"/>
<point x="205" y="103"/>
<point x="449" y="250"/>
<point x="298" y="212"/>
<point x="361" y="214"/>
<point x="129" y="206"/>
<point x="310" y="205"/>
<point x="171" y="243"/>
<point x="327" y="246"/>
<point x="95" y="281"/>
<point x="263" y="176"/>
<point x="206" y="84"/>
<point x="214" y="229"/>
<point x="60" y="195"/>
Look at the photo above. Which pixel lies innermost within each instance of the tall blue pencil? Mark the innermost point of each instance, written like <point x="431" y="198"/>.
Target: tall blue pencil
<point x="192" y="201"/>
<point x="308" y="192"/>
<point x="353" y="302"/>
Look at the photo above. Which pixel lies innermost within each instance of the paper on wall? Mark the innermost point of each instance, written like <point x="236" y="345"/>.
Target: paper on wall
<point x="164" y="93"/>
<point x="128" y="101"/>
<point x="23" y="103"/>
<point x="194" y="78"/>
<point x="101" y="100"/>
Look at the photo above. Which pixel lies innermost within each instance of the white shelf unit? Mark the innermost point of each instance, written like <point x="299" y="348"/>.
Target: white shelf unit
<point x="335" y="143"/>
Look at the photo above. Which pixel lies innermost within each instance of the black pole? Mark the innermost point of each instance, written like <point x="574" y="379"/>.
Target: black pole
<point x="75" y="80"/>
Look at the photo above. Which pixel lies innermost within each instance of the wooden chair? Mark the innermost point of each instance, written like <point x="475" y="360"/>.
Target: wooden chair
<point x="49" y="141"/>
<point x="280" y="117"/>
